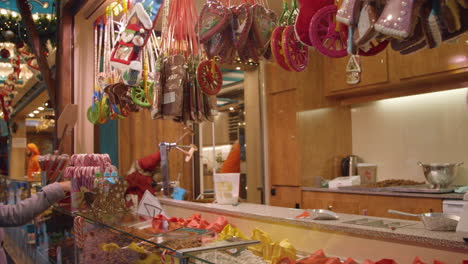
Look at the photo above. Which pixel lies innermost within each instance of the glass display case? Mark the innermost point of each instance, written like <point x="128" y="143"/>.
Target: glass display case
<point x="128" y="238"/>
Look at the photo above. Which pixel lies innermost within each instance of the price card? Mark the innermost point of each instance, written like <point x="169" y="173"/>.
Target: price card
<point x="150" y="206"/>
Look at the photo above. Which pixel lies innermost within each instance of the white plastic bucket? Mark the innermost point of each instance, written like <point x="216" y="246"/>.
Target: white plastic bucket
<point x="227" y="187"/>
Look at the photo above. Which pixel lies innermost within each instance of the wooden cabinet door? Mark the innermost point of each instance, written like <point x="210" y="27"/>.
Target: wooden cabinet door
<point x="379" y="206"/>
<point x="447" y="58"/>
<point x="286" y="196"/>
<point x="374" y="71"/>
<point x="337" y="202"/>
<point x="282" y="138"/>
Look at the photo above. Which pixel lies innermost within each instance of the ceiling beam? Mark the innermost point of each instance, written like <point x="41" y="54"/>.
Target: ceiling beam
<point x="36" y="46"/>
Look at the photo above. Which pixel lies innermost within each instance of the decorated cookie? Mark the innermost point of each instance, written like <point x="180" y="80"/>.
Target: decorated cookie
<point x="214" y="18"/>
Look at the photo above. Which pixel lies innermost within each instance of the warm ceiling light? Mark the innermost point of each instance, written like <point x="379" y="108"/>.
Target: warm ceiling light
<point x="14" y="14"/>
<point x="231" y="108"/>
<point x="31" y="115"/>
<point x="40" y="108"/>
<point x="46" y="103"/>
<point x="35" y="16"/>
<point x="36" y="112"/>
<point x="3" y="12"/>
<point x="238" y="68"/>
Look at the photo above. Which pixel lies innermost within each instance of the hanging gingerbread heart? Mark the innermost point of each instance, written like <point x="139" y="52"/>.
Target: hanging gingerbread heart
<point x="241" y="24"/>
<point x="227" y="54"/>
<point x="277" y="48"/>
<point x="214" y="45"/>
<point x="219" y="42"/>
<point x="264" y="23"/>
<point x="296" y="53"/>
<point x="209" y="77"/>
<point x="214" y="18"/>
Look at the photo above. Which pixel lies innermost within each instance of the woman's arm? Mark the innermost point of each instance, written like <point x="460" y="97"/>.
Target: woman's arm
<point x="26" y="210"/>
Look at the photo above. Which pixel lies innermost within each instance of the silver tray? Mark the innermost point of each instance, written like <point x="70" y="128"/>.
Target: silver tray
<point x="425" y="188"/>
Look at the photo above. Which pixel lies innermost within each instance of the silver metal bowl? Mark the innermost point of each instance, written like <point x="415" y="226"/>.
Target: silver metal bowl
<point x="440" y="175"/>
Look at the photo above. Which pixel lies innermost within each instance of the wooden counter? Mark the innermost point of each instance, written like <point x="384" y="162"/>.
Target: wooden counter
<point x="336" y="237"/>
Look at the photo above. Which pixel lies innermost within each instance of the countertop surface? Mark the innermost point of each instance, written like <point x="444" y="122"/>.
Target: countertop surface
<point x="413" y="233"/>
<point x="453" y="196"/>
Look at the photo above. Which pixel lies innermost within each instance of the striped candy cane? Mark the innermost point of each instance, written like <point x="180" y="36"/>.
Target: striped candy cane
<point x="78" y="228"/>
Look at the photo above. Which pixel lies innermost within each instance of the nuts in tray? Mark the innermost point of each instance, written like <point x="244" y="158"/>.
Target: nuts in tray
<point x="391" y="183"/>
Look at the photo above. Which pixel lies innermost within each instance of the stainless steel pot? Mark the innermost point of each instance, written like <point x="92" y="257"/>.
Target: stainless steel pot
<point x="440" y="175"/>
<point x="435" y="221"/>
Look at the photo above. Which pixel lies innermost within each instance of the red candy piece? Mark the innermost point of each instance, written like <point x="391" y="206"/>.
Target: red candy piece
<point x="350" y="261"/>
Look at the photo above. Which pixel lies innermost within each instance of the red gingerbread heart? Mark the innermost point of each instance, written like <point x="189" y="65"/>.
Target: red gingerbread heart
<point x="214" y="18"/>
<point x="264" y="23"/>
<point x="241" y="24"/>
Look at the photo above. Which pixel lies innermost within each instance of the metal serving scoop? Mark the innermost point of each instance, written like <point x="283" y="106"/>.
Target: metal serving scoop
<point x="321" y="214"/>
<point x="434" y="221"/>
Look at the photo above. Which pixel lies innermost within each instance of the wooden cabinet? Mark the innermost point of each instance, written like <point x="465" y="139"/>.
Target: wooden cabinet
<point x="447" y="58"/>
<point x="282" y="147"/>
<point x="390" y="74"/>
<point x="379" y="205"/>
<point x="286" y="196"/>
<point x="373" y="205"/>
<point x="337" y="202"/>
<point x="282" y="105"/>
<point x="374" y="71"/>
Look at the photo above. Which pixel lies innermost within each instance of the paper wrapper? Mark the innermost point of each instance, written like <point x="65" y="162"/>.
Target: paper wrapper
<point x="230" y="231"/>
<point x="218" y="225"/>
<point x="386" y="261"/>
<point x="195" y="221"/>
<point x="271" y="251"/>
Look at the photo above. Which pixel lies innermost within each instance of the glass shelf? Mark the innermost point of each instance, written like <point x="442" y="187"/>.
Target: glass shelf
<point x="125" y="233"/>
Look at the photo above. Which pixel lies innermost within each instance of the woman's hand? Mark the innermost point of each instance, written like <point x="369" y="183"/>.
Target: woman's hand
<point x="66" y="185"/>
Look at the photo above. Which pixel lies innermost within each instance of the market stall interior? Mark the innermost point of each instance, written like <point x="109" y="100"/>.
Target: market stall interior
<point x="251" y="131"/>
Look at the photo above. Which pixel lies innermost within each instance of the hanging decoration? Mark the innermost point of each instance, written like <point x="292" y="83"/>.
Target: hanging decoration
<point x="288" y="50"/>
<point x="237" y="33"/>
<point x="14" y="31"/>
<point x="5" y="54"/>
<point x="180" y="81"/>
<point x="7" y="90"/>
<point x="126" y="55"/>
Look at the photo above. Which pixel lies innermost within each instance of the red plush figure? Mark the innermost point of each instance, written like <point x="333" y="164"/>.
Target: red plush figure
<point x="140" y="175"/>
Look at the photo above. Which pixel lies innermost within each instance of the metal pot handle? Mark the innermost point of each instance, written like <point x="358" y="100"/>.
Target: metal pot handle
<point x="403" y="213"/>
